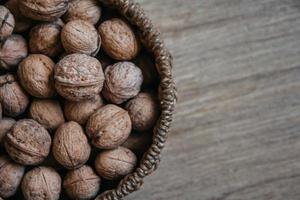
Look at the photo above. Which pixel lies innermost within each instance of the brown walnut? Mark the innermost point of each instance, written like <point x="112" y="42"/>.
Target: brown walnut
<point x="47" y="112"/>
<point x="11" y="175"/>
<point x="80" y="36"/>
<point x="70" y="146"/>
<point x="138" y="142"/>
<point x="115" y="164"/>
<point x="36" y="75"/>
<point x="123" y="81"/>
<point x="41" y="183"/>
<point x="5" y="126"/>
<point x="27" y="142"/>
<point x="7" y="22"/>
<point x="78" y="77"/>
<point x="108" y="127"/>
<point x="12" y="97"/>
<point x="118" y="39"/>
<point x="82" y="183"/>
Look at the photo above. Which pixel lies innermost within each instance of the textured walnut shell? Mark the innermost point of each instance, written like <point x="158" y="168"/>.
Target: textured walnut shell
<point x="80" y="36"/>
<point x="115" y="164"/>
<point x="81" y="111"/>
<point x="109" y="127"/>
<point x="45" y="38"/>
<point x="13" y="99"/>
<point x="11" y="175"/>
<point x="36" y="75"/>
<point x="82" y="183"/>
<point x="41" y="183"/>
<point x="12" y="51"/>
<point x="47" y="112"/>
<point x="87" y="10"/>
<point x="70" y="146"/>
<point x="123" y="81"/>
<point x="5" y="126"/>
<point x="138" y="142"/>
<point x="118" y="39"/>
<point x="7" y="22"/>
<point x="43" y="10"/>
<point x="78" y="77"/>
<point x="27" y="142"/>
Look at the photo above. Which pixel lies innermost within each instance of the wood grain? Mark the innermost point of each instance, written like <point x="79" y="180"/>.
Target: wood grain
<point x="236" y="132"/>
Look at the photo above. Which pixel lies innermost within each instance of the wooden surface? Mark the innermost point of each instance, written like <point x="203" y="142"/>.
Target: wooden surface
<point x="236" y="132"/>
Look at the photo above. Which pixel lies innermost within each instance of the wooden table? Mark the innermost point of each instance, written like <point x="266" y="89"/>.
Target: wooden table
<point x="236" y="131"/>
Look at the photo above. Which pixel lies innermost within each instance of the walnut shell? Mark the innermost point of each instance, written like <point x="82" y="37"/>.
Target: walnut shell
<point x="41" y="183"/>
<point x="70" y="146"/>
<point x="80" y="36"/>
<point x="138" y="142"/>
<point x="118" y="39"/>
<point x="43" y="10"/>
<point x="45" y="38"/>
<point x="87" y="10"/>
<point x="123" y="81"/>
<point x="78" y="77"/>
<point x="47" y="112"/>
<point x="27" y="142"/>
<point x="109" y="127"/>
<point x="11" y="175"/>
<point x="7" y="22"/>
<point x="12" y="51"/>
<point x="115" y="164"/>
<point x="81" y="111"/>
<point x="5" y="126"/>
<point x="36" y="75"/>
<point x="12" y="97"/>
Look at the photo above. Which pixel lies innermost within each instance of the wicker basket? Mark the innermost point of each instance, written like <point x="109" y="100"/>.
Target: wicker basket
<point x="152" y="41"/>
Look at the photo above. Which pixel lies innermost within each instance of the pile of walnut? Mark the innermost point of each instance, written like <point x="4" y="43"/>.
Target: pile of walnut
<point x="78" y="96"/>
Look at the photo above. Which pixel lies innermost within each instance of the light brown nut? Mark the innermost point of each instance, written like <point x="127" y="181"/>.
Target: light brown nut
<point x="115" y="164"/>
<point x="7" y="22"/>
<point x="27" y="142"/>
<point x="5" y="126"/>
<point x="108" y="127"/>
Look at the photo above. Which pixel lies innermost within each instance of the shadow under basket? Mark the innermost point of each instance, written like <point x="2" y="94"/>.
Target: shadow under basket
<point x="153" y="42"/>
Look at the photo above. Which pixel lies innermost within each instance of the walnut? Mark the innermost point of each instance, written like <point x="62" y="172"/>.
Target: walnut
<point x="43" y="10"/>
<point x="5" y="126"/>
<point x="115" y="164"/>
<point x="45" y="38"/>
<point x="27" y="142"/>
<point x="12" y="51"/>
<point x="82" y="183"/>
<point x="70" y="146"/>
<point x="81" y="111"/>
<point x="123" y="81"/>
<point x="109" y="127"/>
<point x="78" y="77"/>
<point x="12" y="97"/>
<point x="80" y="36"/>
<point x="11" y="175"/>
<point x="7" y="22"/>
<point x="87" y="10"/>
<point x="36" y="75"/>
<point x="118" y="39"/>
<point x="41" y="183"/>
<point x="138" y="142"/>
<point x="47" y="112"/>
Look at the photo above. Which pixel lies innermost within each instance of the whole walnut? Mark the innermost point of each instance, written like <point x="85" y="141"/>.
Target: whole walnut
<point x="5" y="126"/>
<point x="80" y="36"/>
<point x="82" y="183"/>
<point x="7" y="22"/>
<point x="70" y="146"/>
<point x="27" y="142"/>
<point x="123" y="81"/>
<point x="118" y="39"/>
<point x="81" y="111"/>
<point x="22" y="23"/>
<point x="43" y="10"/>
<point x="36" y="75"/>
<point x="12" y="51"/>
<point x="41" y="183"/>
<point x="138" y="142"/>
<point x="47" y="112"/>
<point x="45" y="38"/>
<point x="12" y="97"/>
<point x="108" y="127"/>
<point x="78" y="77"/>
<point x="115" y="164"/>
<point x="11" y="175"/>
<point x="87" y="10"/>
